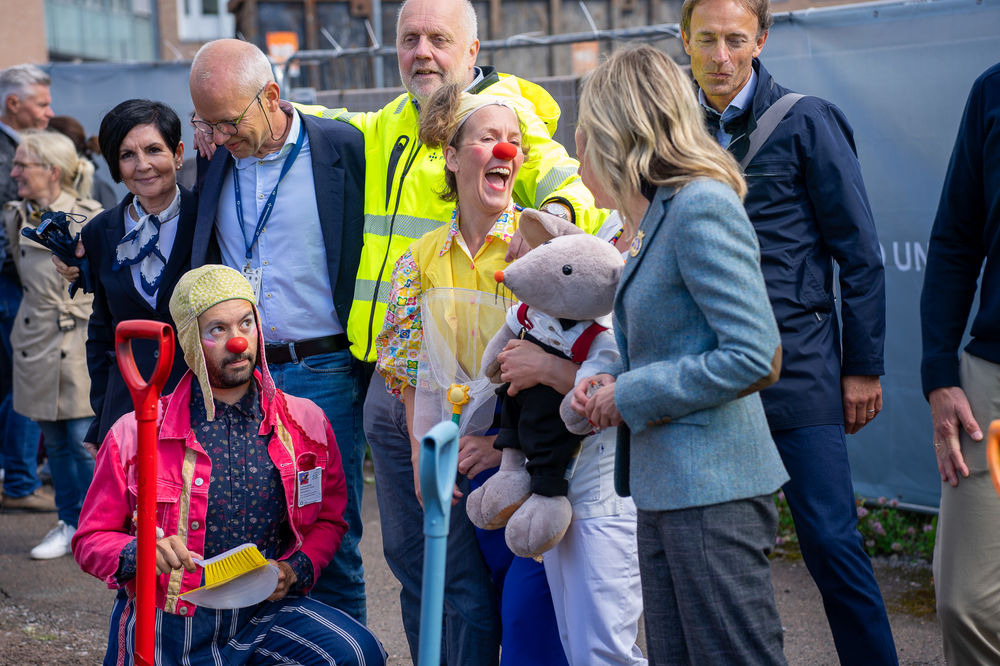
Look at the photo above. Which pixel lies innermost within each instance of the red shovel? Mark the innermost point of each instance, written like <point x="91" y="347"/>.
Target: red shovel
<point x="145" y="395"/>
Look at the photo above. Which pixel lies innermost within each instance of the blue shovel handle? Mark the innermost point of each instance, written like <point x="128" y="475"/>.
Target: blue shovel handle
<point x="438" y="467"/>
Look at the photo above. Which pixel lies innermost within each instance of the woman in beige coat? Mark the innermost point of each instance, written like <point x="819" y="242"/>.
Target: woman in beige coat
<point x="51" y="382"/>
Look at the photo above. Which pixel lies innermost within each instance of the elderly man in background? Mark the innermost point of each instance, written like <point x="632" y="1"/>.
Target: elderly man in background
<point x="26" y="104"/>
<point x="807" y="202"/>
<point x="283" y="205"/>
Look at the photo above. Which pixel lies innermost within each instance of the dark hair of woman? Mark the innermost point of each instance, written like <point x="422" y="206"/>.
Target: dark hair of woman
<point x="119" y="121"/>
<point x="72" y="128"/>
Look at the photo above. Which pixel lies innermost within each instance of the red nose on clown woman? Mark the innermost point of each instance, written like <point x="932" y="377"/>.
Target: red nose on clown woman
<point x="504" y="151"/>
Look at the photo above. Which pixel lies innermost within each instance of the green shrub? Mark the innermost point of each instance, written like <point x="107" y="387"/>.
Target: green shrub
<point x="886" y="529"/>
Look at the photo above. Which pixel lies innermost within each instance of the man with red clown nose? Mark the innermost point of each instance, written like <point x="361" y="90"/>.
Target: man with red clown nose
<point x="239" y="462"/>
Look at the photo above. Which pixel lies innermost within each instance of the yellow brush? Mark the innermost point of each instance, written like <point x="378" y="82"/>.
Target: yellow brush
<point x="230" y="565"/>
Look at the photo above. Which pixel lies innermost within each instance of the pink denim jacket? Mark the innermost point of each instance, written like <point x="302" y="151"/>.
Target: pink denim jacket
<point x="301" y="439"/>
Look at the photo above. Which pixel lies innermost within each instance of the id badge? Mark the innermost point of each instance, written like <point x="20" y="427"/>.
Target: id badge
<point x="254" y="277"/>
<point x="310" y="486"/>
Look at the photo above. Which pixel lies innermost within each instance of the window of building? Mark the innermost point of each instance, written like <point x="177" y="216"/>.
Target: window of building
<point x="202" y="20"/>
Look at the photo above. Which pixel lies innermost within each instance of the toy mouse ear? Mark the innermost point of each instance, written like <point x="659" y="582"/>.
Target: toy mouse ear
<point x="537" y="226"/>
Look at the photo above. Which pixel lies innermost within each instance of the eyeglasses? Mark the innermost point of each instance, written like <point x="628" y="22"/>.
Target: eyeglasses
<point x="25" y="165"/>
<point x="225" y="127"/>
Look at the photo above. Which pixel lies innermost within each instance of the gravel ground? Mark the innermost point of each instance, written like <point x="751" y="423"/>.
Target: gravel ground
<point x="51" y="613"/>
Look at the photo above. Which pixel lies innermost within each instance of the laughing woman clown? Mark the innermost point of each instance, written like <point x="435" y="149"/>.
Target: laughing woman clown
<point x="480" y="140"/>
<point x="481" y="143"/>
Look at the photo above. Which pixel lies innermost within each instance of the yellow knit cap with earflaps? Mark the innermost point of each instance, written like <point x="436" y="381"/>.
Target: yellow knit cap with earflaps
<point x="198" y="290"/>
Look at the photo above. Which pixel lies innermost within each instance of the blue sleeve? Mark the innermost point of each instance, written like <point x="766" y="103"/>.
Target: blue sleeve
<point x="844" y="218"/>
<point x="955" y="252"/>
<point x="303" y="568"/>
<point x="127" y="563"/>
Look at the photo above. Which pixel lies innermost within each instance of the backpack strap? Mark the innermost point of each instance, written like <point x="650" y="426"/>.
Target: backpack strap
<point x="582" y="345"/>
<point x="766" y="125"/>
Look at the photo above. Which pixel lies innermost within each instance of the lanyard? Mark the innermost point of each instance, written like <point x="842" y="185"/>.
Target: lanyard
<point x="266" y="212"/>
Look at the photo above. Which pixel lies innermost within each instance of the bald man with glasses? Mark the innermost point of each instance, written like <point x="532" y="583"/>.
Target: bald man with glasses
<point x="283" y="204"/>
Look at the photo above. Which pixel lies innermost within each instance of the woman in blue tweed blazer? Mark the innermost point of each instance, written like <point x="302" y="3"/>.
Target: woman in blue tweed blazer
<point x="697" y="340"/>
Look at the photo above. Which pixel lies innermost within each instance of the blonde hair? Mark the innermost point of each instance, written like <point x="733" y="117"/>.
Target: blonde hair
<point x="442" y="121"/>
<point x="76" y="173"/>
<point x="642" y="124"/>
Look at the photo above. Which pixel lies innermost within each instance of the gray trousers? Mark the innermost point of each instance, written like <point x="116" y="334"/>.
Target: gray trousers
<point x="706" y="584"/>
<point x="967" y="546"/>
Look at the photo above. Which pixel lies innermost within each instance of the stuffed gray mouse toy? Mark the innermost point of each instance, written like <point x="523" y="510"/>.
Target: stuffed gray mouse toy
<point x="566" y="281"/>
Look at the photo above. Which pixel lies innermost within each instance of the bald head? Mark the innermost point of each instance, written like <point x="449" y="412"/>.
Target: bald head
<point x="232" y="65"/>
<point x="232" y="84"/>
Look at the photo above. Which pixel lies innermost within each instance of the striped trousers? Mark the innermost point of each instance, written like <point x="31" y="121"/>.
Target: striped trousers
<point x="294" y="630"/>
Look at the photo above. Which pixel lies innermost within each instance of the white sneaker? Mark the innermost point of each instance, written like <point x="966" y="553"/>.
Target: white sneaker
<point x="55" y="544"/>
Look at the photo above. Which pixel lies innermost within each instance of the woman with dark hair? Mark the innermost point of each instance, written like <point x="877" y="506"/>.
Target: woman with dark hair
<point x="101" y="190"/>
<point x="137" y="250"/>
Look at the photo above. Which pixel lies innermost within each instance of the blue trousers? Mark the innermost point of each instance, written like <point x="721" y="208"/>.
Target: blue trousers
<point x="71" y="465"/>
<point x="334" y="382"/>
<point x="530" y="629"/>
<point x="820" y="496"/>
<point x="19" y="451"/>
<point x="294" y="630"/>
<point x="471" y="625"/>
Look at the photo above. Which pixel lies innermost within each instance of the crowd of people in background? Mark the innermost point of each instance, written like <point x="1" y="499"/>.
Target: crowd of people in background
<point x="294" y="275"/>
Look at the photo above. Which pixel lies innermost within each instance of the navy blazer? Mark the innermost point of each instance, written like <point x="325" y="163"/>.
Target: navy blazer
<point x="116" y="299"/>
<point x="338" y="161"/>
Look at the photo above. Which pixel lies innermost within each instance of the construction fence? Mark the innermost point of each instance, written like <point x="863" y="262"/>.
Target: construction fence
<point x="901" y="71"/>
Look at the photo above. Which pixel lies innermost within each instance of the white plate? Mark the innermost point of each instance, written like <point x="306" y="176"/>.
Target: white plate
<point x="251" y="588"/>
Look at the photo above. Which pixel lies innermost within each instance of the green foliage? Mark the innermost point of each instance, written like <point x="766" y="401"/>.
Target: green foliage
<point x="886" y="529"/>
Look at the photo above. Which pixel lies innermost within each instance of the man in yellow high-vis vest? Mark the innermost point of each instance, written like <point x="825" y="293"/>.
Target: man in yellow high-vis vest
<point x="403" y="176"/>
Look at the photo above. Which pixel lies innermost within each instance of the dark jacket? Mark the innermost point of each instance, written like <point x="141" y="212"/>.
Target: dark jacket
<point x="8" y="189"/>
<point x="808" y="204"/>
<point x="338" y="160"/>
<point x="966" y="232"/>
<point x="8" y="192"/>
<point x="116" y="299"/>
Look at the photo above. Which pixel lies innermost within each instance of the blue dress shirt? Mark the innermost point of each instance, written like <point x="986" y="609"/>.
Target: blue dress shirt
<point x="740" y="103"/>
<point x="296" y="302"/>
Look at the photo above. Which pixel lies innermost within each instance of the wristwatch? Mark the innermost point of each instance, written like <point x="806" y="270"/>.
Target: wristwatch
<point x="559" y="209"/>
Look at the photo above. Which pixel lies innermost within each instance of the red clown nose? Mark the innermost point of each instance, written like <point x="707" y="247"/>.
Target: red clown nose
<point x="504" y="151"/>
<point x="236" y="345"/>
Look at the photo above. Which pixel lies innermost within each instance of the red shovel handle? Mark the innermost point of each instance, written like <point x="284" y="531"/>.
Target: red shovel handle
<point x="145" y="395"/>
<point x="141" y="389"/>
